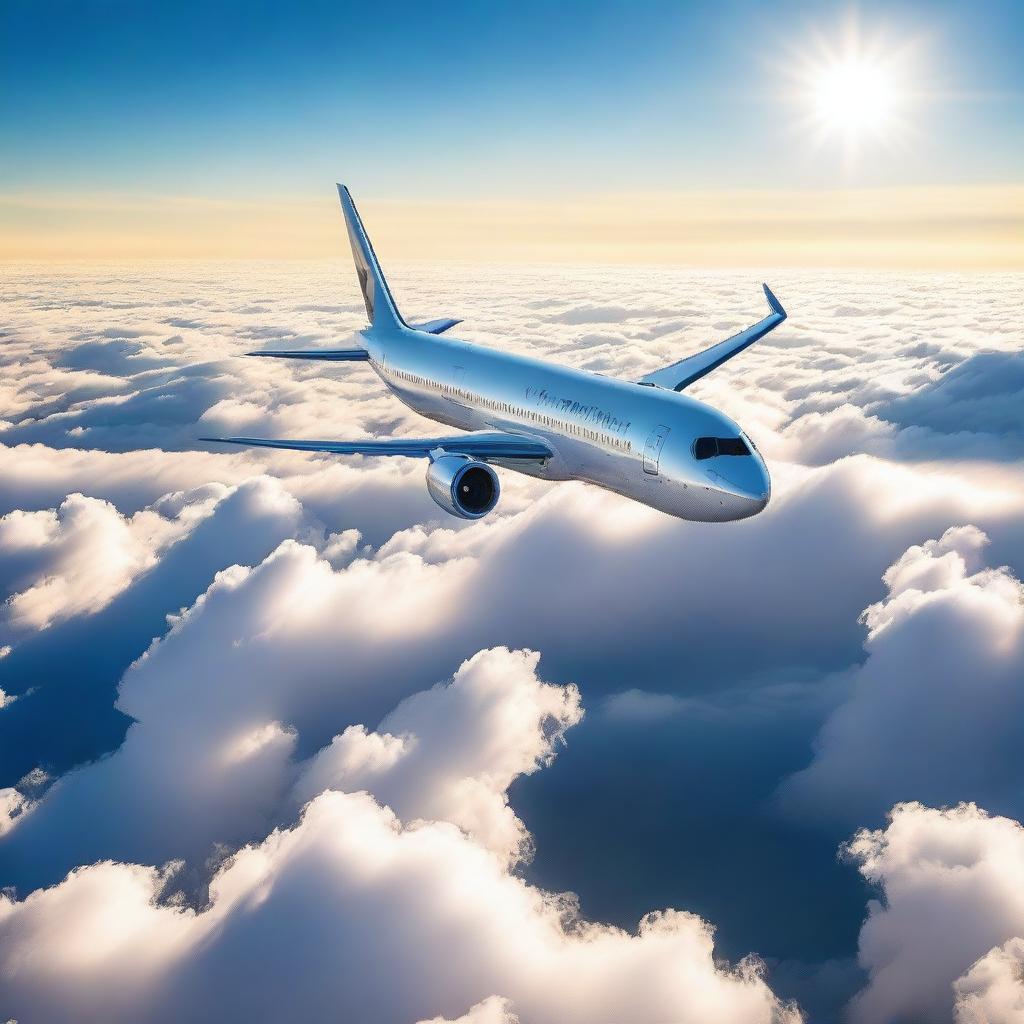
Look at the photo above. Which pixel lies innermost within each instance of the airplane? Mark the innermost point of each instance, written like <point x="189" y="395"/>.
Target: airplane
<point x="643" y="439"/>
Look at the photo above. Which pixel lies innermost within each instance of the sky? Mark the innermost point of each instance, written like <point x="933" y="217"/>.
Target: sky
<point x="282" y="740"/>
<point x="703" y="133"/>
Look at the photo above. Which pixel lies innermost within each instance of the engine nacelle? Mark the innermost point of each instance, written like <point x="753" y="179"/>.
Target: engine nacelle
<point x="463" y="486"/>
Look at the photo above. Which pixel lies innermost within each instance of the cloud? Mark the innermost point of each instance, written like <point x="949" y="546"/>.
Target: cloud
<point x="351" y="876"/>
<point x="952" y="888"/>
<point x="818" y="438"/>
<point x="969" y="412"/>
<point x="992" y="991"/>
<point x="66" y="677"/>
<point x="493" y="1010"/>
<point x="301" y="650"/>
<point x="935" y="712"/>
<point x="981" y="395"/>
<point x="76" y="558"/>
<point x="709" y="658"/>
<point x="201" y="770"/>
<point x="451" y="753"/>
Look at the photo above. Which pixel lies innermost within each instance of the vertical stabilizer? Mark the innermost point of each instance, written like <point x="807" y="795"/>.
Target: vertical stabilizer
<point x="380" y="306"/>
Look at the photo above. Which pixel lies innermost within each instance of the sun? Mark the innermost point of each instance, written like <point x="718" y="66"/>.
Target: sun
<point x="853" y="96"/>
<point x="854" y="91"/>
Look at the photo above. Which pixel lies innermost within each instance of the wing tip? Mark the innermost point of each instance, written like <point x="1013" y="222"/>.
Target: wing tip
<point x="773" y="301"/>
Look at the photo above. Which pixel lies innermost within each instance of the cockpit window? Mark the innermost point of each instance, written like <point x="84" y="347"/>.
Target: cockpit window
<point x="709" y="447"/>
<point x="705" y="447"/>
<point x="732" y="446"/>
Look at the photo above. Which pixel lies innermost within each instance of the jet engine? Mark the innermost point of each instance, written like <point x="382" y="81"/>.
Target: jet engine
<point x="462" y="486"/>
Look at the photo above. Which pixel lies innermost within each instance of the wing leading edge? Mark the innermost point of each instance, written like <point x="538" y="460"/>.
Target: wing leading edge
<point x="683" y="373"/>
<point x="481" y="445"/>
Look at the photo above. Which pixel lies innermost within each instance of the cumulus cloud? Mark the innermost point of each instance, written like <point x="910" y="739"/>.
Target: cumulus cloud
<point x="952" y="888"/>
<point x="992" y="991"/>
<point x="203" y="769"/>
<point x="66" y="677"/>
<point x="493" y="1010"/>
<point x="76" y="558"/>
<point x="350" y="876"/>
<point x="936" y="711"/>
<point x="451" y="753"/>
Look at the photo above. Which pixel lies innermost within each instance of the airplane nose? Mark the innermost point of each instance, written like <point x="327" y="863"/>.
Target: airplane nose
<point x="762" y="484"/>
<point x="746" y="480"/>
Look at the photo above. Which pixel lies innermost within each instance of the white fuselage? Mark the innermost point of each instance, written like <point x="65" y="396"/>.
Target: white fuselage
<point x="634" y="439"/>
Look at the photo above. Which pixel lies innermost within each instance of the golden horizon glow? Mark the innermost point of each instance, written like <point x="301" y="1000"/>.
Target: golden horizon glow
<point x="954" y="227"/>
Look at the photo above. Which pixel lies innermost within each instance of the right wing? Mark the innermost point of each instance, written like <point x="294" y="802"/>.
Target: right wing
<point x="683" y="373"/>
<point x="480" y="444"/>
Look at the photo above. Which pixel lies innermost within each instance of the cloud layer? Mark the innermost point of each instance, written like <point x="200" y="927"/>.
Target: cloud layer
<point x="369" y="897"/>
<point x="222" y="735"/>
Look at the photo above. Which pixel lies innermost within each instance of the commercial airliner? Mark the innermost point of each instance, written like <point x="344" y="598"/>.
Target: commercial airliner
<point x="643" y="439"/>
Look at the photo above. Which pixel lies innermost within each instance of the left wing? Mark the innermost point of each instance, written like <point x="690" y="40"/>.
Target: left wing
<point x="343" y="355"/>
<point x="481" y="444"/>
<point x="682" y="374"/>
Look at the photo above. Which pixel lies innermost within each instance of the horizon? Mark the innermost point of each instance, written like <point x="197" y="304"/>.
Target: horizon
<point x="929" y="229"/>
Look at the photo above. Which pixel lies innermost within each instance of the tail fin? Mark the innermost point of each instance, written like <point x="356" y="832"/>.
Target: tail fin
<point x="380" y="306"/>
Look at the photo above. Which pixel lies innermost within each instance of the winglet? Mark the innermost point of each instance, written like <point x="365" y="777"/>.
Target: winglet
<point x="773" y="301"/>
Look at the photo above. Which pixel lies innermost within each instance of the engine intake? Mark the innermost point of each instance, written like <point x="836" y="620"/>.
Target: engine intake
<point x="463" y="486"/>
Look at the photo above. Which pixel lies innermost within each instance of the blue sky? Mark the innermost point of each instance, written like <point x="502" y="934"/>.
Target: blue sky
<point x="260" y="99"/>
<point x="217" y="130"/>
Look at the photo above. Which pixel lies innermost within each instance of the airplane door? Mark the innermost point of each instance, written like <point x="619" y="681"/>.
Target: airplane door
<point x="652" y="450"/>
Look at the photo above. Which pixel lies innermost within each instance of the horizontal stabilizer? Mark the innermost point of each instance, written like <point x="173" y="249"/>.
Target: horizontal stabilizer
<point x="341" y="355"/>
<point x="683" y="373"/>
<point x="481" y="444"/>
<point x="435" y="326"/>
